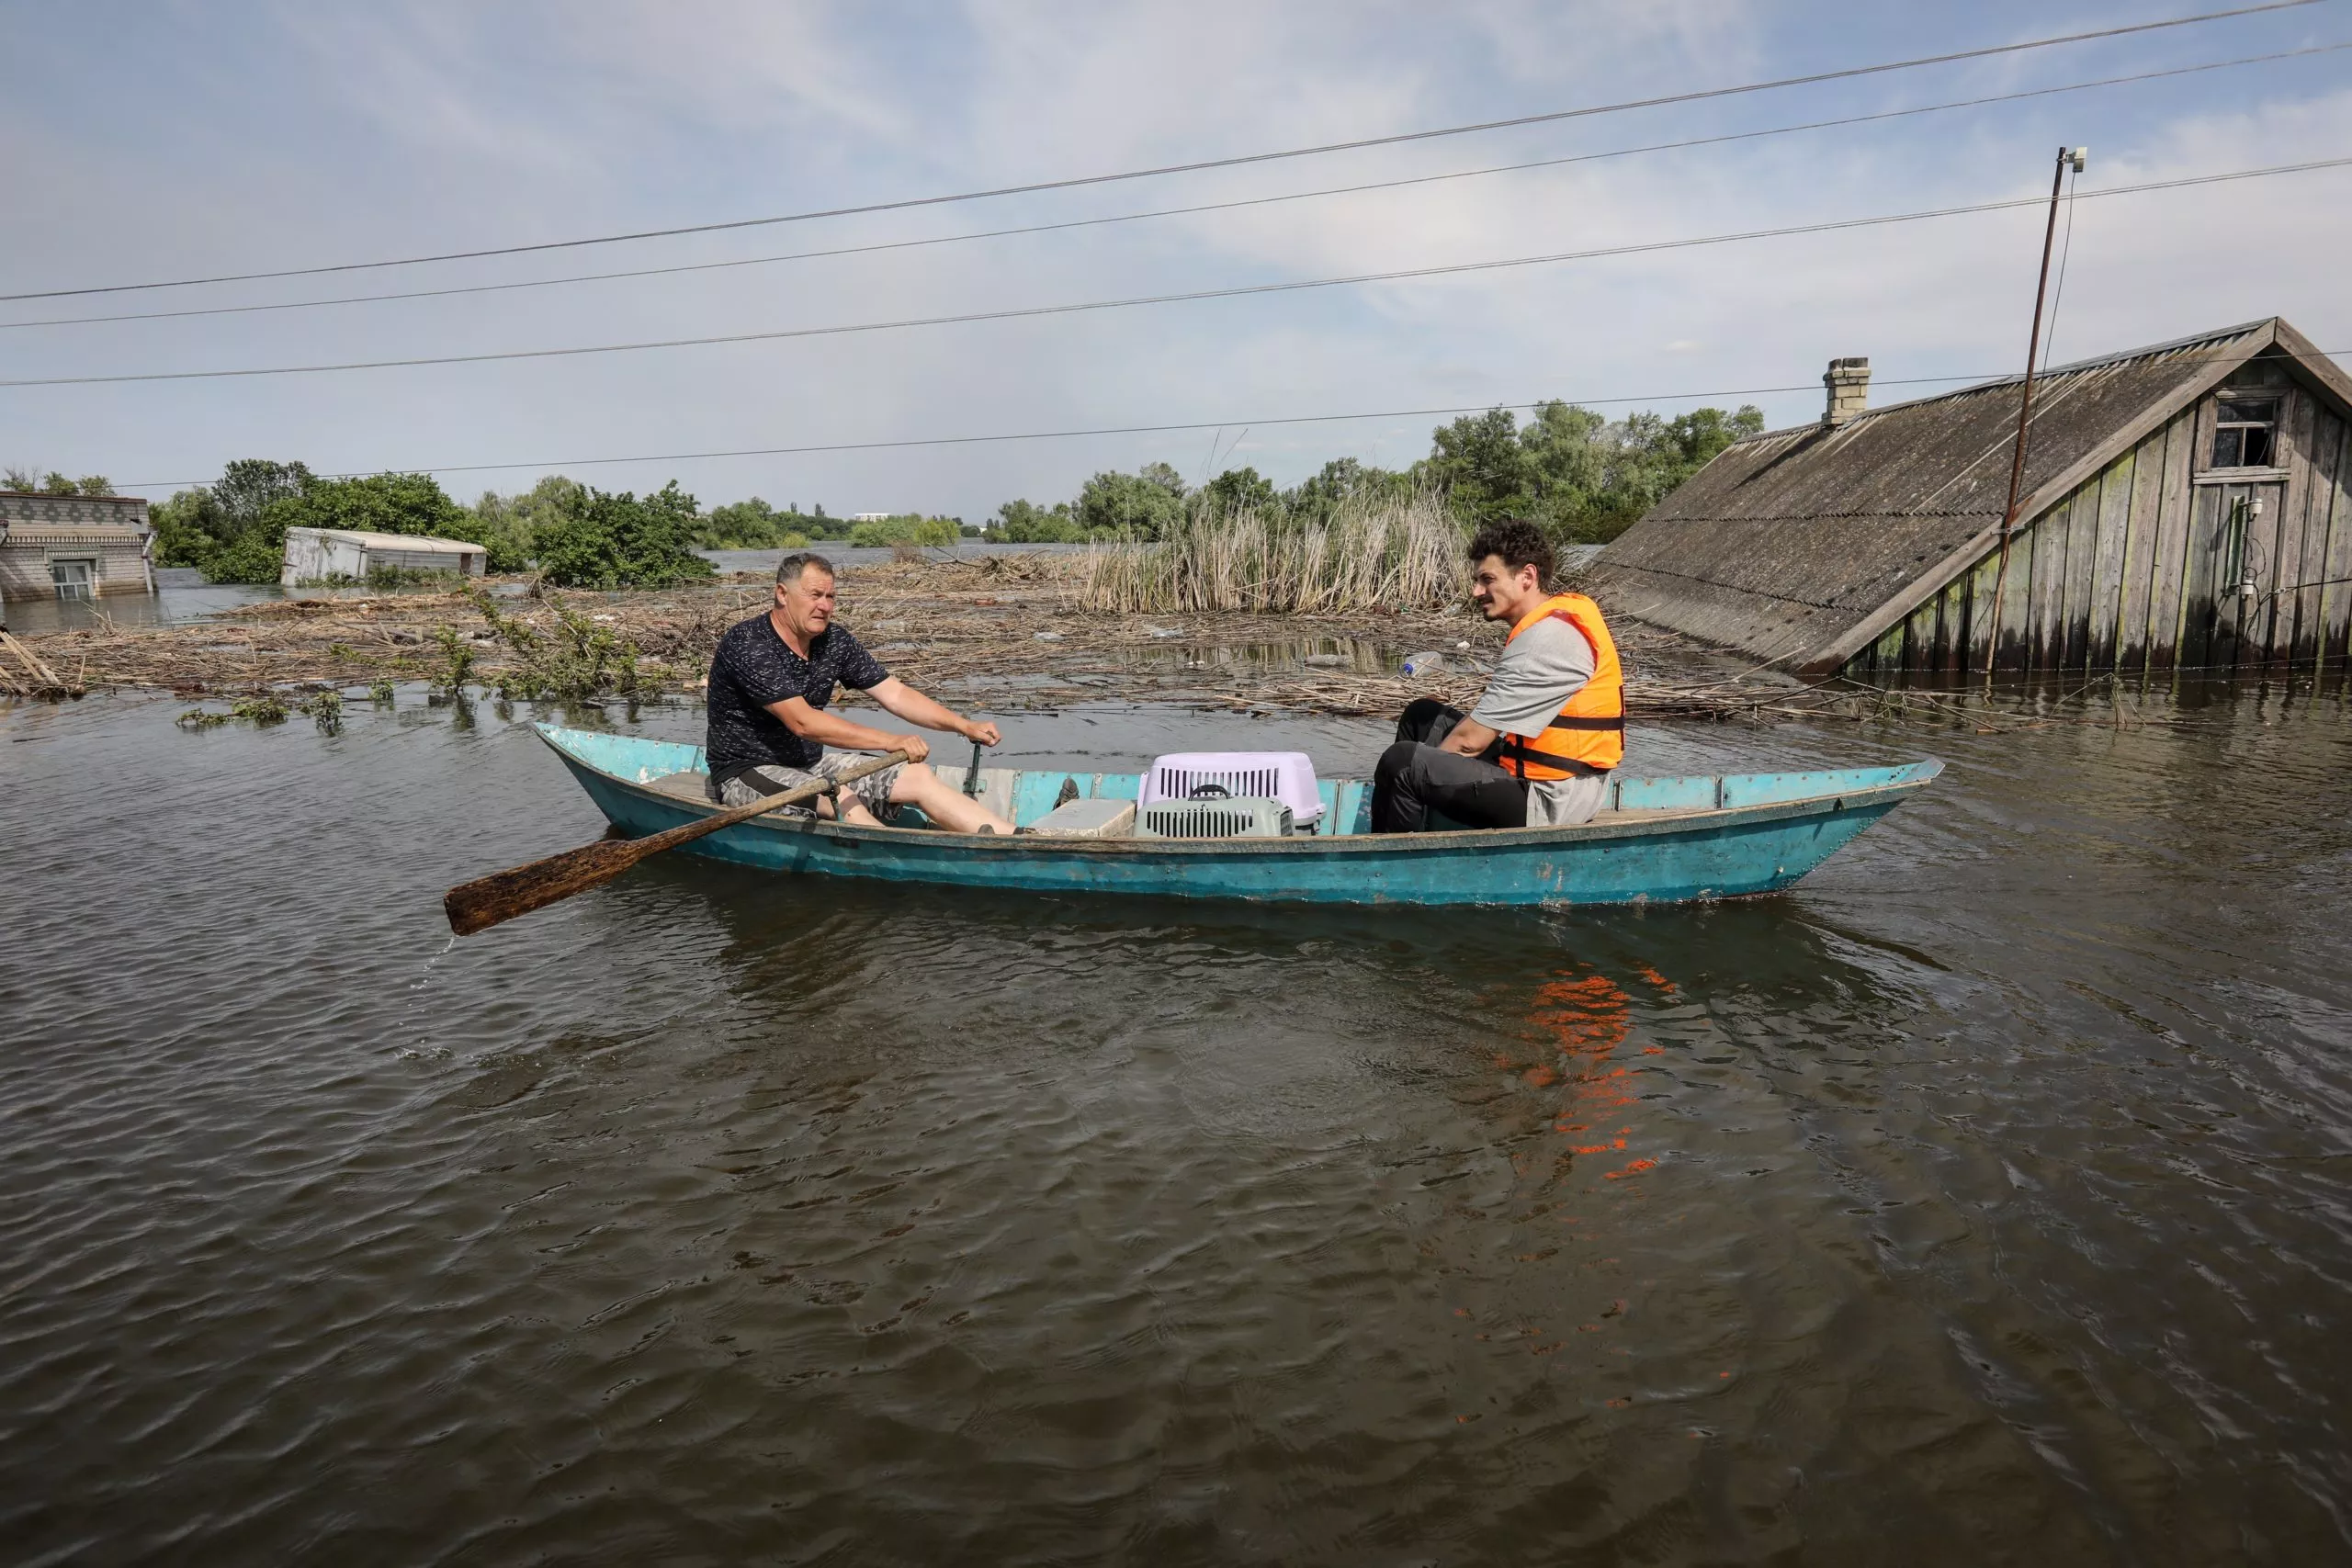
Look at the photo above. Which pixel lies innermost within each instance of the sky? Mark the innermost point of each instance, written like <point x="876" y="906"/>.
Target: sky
<point x="162" y="140"/>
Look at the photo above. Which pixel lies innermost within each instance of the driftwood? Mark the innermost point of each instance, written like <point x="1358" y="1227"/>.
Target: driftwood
<point x="43" y="682"/>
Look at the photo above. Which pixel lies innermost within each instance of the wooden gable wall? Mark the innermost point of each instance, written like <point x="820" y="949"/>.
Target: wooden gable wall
<point x="2131" y="572"/>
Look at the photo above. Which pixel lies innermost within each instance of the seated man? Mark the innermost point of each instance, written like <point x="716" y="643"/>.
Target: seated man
<point x="770" y="680"/>
<point x="1537" y="750"/>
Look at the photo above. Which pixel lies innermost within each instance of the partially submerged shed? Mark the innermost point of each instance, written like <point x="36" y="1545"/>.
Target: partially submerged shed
<point x="73" y="547"/>
<point x="354" y="555"/>
<point x="2184" y="506"/>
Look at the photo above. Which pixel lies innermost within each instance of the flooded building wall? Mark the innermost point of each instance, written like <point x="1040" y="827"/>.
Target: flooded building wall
<point x="2167" y="560"/>
<point x="73" y="546"/>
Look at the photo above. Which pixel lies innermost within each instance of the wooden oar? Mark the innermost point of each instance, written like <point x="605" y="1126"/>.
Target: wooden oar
<point x="480" y="904"/>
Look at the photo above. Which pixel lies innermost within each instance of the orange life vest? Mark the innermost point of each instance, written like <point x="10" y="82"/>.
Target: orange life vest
<point x="1588" y="737"/>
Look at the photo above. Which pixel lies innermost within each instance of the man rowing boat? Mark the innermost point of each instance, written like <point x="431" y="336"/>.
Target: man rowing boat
<point x="1537" y="750"/>
<point x="771" y="681"/>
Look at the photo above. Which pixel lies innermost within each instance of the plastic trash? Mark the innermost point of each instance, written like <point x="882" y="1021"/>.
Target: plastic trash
<point x="1427" y="662"/>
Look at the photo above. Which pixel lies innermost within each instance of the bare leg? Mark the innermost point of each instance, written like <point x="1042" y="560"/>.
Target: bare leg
<point x="958" y="813"/>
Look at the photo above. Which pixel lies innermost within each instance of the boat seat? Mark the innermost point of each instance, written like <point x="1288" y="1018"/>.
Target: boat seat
<point x="686" y="786"/>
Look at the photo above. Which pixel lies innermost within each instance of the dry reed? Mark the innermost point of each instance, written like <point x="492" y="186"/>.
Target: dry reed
<point x="1369" y="555"/>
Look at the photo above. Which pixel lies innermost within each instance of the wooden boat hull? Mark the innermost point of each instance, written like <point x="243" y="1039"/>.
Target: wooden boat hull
<point x="1769" y="830"/>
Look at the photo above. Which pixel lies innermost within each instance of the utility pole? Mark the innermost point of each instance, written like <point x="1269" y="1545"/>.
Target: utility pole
<point x="2074" y="158"/>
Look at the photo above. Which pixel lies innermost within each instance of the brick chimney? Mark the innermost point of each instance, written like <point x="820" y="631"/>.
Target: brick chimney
<point x="1848" y="381"/>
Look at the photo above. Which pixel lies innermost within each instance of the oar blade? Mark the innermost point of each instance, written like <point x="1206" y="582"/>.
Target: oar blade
<point x="486" y="901"/>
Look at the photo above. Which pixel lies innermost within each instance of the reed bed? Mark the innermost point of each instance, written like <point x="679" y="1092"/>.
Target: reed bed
<point x="1368" y="555"/>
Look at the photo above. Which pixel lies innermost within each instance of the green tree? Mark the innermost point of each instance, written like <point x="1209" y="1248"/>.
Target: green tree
<point x="1645" y="457"/>
<point x="1239" y="490"/>
<point x="231" y="528"/>
<point x="33" y="482"/>
<point x="750" y="525"/>
<point x="507" y="526"/>
<point x="1478" y="462"/>
<point x="905" y="528"/>
<point x="619" y="541"/>
<point x="180" y="537"/>
<point x="1025" y="523"/>
<point x="1581" y="478"/>
<point x="1143" y="505"/>
<point x="414" y="505"/>
<point x="1341" y="479"/>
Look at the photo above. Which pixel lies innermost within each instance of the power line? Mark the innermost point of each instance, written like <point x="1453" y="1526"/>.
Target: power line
<point x="1176" y="211"/>
<point x="1192" y="295"/>
<point x="1237" y="160"/>
<point x="1990" y="379"/>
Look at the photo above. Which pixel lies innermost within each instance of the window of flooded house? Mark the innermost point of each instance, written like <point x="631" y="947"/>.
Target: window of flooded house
<point x="2232" y="544"/>
<point x="73" y="579"/>
<point x="2245" y="433"/>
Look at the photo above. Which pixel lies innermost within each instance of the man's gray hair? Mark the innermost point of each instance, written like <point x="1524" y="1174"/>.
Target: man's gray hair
<point x="789" y="569"/>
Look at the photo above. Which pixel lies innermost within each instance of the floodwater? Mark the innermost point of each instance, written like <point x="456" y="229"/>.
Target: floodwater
<point x="1987" y="1198"/>
<point x="181" y="594"/>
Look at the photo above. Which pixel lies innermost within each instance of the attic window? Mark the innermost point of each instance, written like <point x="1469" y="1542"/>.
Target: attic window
<point x="2245" y="433"/>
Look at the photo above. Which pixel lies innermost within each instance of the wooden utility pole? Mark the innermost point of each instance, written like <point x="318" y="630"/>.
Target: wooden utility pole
<point x="2067" y="156"/>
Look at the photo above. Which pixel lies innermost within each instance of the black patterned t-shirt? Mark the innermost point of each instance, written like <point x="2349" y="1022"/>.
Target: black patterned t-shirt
<point x="753" y="667"/>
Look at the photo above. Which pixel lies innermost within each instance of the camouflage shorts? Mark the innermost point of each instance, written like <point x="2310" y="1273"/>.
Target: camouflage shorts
<point x="873" y="791"/>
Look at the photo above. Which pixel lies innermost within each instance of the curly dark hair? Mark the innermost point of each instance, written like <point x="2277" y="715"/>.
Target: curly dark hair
<point x="1520" y="543"/>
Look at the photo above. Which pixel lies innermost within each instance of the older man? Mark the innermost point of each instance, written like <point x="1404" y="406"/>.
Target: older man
<point x="772" y="680"/>
<point x="1537" y="750"/>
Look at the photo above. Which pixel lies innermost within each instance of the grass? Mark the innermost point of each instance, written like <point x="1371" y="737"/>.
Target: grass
<point x="1373" y="555"/>
<point x="324" y="707"/>
<point x="261" y="707"/>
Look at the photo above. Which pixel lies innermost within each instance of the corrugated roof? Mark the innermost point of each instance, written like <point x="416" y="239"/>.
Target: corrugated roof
<point x="1787" y="542"/>
<point x="372" y="541"/>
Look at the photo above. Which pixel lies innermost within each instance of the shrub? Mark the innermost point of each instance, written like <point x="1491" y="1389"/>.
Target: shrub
<point x="619" y="541"/>
<point x="907" y="528"/>
<point x="578" y="661"/>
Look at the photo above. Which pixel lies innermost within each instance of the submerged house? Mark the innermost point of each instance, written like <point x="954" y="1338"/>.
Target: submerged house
<point x="74" y="546"/>
<point x="2185" y="507"/>
<point x="354" y="555"/>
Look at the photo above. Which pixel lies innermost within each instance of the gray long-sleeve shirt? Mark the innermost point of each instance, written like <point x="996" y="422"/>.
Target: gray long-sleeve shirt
<point x="1540" y="670"/>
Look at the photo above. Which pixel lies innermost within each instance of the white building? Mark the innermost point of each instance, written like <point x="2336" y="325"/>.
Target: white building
<point x="323" y="555"/>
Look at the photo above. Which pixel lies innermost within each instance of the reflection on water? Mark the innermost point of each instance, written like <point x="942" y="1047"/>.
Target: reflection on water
<point x="1343" y="654"/>
<point x="173" y="601"/>
<point x="1981" y="1201"/>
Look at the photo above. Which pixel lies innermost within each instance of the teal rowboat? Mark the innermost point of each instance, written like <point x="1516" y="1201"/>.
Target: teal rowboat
<point x="1662" y="840"/>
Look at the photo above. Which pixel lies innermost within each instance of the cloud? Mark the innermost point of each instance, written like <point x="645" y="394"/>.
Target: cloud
<point x="328" y="132"/>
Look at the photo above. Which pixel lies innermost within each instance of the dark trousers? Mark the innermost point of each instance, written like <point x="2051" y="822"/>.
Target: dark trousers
<point x="1414" y="778"/>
